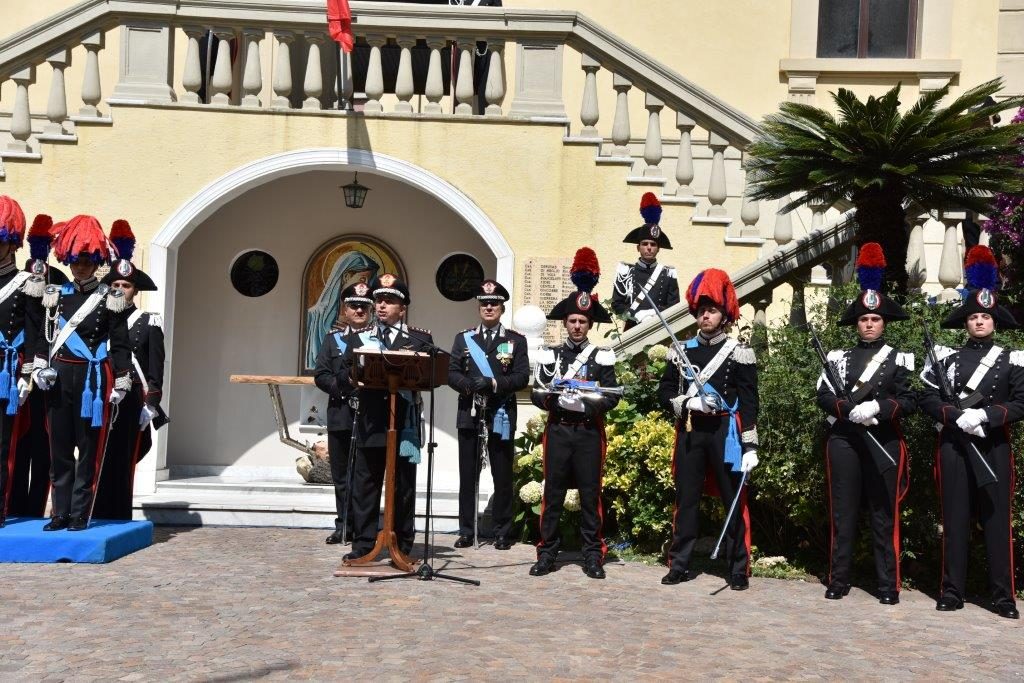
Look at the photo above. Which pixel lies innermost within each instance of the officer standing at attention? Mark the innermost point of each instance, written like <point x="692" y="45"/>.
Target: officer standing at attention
<point x="989" y="381"/>
<point x="646" y="284"/>
<point x="356" y="305"/>
<point x="722" y="439"/>
<point x="878" y="379"/>
<point x="574" y="437"/>
<point x="86" y="330"/>
<point x="489" y="365"/>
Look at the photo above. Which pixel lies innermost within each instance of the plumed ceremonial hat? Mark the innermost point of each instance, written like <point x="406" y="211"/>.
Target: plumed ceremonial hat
<point x="492" y="290"/>
<point x="650" y="209"/>
<point x="357" y="293"/>
<point x="12" y="222"/>
<point x="389" y="283"/>
<point x="585" y="274"/>
<point x="870" y="273"/>
<point x="713" y="286"/>
<point x="122" y="268"/>
<point x="981" y="274"/>
<point x="80" y="238"/>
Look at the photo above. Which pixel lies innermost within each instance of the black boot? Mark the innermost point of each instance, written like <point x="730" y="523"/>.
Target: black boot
<point x="592" y="568"/>
<point x="837" y="591"/>
<point x="545" y="565"/>
<point x="675" y="576"/>
<point x="78" y="524"/>
<point x="948" y="603"/>
<point x="57" y="522"/>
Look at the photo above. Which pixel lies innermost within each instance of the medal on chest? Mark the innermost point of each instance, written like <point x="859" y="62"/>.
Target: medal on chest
<point x="504" y="354"/>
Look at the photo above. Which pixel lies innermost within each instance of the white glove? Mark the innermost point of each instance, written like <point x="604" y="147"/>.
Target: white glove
<point x="146" y="416"/>
<point x="971" y="420"/>
<point x="41" y="382"/>
<point x="24" y="386"/>
<point x="571" y="402"/>
<point x="678" y="405"/>
<point x="749" y="461"/>
<point x="700" y="405"/>
<point x="643" y="315"/>
<point x="862" y="412"/>
<point x="117" y="395"/>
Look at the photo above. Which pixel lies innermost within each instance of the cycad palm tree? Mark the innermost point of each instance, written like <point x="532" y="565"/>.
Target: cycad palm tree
<point x="881" y="159"/>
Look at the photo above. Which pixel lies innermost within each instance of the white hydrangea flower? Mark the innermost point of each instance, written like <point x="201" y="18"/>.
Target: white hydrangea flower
<point x="531" y="492"/>
<point x="657" y="352"/>
<point x="572" y="500"/>
<point x="777" y="560"/>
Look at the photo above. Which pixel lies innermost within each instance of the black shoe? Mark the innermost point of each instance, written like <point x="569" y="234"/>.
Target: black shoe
<point x="837" y="591"/>
<point x="675" y="576"/>
<point x="3" y="521"/>
<point x="502" y="543"/>
<point x="78" y="524"/>
<point x="592" y="568"/>
<point x="544" y="565"/>
<point x="949" y="604"/>
<point x="335" y="537"/>
<point x="354" y="555"/>
<point x="57" y="523"/>
<point x="464" y="542"/>
<point x="1007" y="610"/>
<point x="888" y="598"/>
<point x="739" y="582"/>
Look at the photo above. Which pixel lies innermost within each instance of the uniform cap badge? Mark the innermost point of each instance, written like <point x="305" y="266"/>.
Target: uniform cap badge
<point x="985" y="298"/>
<point x="488" y="288"/>
<point x="387" y="279"/>
<point x="362" y="289"/>
<point x="655" y="231"/>
<point x="124" y="268"/>
<point x="583" y="301"/>
<point x="870" y="299"/>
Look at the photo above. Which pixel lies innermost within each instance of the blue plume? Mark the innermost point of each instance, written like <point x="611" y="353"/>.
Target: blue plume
<point x="584" y="280"/>
<point x="870" y="277"/>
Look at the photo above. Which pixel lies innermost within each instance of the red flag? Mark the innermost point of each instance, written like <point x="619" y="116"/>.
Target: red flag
<point x="339" y="23"/>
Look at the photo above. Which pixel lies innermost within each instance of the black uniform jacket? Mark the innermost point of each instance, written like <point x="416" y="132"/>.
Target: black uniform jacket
<point x="373" y="403"/>
<point x="600" y="367"/>
<point x="100" y="326"/>
<point x="18" y="312"/>
<point x="630" y="279"/>
<point x="147" y="339"/>
<point x="890" y="384"/>
<point x="736" y="378"/>
<point x="329" y="363"/>
<point x="509" y="363"/>
<point x="1002" y="387"/>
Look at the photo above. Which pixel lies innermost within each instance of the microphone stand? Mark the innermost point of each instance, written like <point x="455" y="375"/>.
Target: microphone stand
<point x="425" y="572"/>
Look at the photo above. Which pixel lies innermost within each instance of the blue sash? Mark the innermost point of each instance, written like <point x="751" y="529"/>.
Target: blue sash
<point x="409" y="433"/>
<point x="9" y="373"/>
<point x="733" y="447"/>
<point x="92" y="393"/>
<point x="342" y="346"/>
<point x="501" y="424"/>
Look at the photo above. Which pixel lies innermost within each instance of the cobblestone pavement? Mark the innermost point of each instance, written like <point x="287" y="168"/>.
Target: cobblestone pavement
<point x="237" y="604"/>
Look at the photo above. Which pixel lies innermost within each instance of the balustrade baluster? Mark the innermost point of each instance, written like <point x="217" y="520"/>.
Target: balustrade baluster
<point x="783" y="233"/>
<point x="192" y="76"/>
<point x="464" y="92"/>
<point x="374" y="76"/>
<point x="434" y="89"/>
<point x="21" y="117"/>
<point x="589" y="112"/>
<point x="223" y="77"/>
<point x="347" y="88"/>
<point x="652" y="145"/>
<point x="750" y="211"/>
<point x="951" y="262"/>
<point x="494" y="88"/>
<point x="57" y="105"/>
<point x="92" y="90"/>
<point x="283" y="70"/>
<point x="717" y="192"/>
<point x="818" y="209"/>
<point x="313" y="83"/>
<point x="684" y="164"/>
<point x="252" y="78"/>
<point x="404" y="87"/>
<point x="917" y="265"/>
<point x="620" y="126"/>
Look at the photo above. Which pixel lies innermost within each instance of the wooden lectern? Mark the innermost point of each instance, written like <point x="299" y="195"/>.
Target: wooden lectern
<point x="394" y="371"/>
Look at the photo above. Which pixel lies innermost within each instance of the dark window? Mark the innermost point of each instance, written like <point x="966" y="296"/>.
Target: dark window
<point x="254" y="273"/>
<point x="867" y="28"/>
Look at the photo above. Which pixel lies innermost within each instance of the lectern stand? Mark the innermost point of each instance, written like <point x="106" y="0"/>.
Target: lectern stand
<point x="394" y="371"/>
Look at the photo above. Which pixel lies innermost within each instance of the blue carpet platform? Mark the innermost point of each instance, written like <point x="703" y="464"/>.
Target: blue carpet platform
<point x="23" y="540"/>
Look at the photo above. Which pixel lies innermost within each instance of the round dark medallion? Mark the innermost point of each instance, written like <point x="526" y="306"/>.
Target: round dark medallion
<point x="254" y="273"/>
<point x="459" y="276"/>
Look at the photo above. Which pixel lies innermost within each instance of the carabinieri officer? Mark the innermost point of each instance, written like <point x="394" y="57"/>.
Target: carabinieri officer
<point x="878" y="379"/>
<point x="574" y="438"/>
<point x="989" y="381"/>
<point x="82" y="319"/>
<point x="723" y="434"/>
<point x="646" y="285"/>
<point x="489" y="365"/>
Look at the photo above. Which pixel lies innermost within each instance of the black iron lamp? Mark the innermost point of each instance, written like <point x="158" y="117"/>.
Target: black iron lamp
<point x="355" y="194"/>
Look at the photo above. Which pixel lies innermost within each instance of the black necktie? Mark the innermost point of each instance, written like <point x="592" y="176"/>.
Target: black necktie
<point x="386" y="336"/>
<point x="488" y="336"/>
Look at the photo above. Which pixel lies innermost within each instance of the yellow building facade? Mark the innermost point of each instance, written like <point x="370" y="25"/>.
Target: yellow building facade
<point x="215" y="129"/>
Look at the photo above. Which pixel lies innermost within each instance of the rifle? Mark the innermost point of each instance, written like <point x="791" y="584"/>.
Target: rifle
<point x="883" y="460"/>
<point x="983" y="472"/>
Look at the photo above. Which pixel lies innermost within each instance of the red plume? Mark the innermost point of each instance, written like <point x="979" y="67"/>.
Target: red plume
<point x="871" y="255"/>
<point x="714" y="284"/>
<point x="81" y="237"/>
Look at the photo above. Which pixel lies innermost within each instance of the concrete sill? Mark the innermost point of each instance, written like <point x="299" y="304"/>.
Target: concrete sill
<point x="869" y="67"/>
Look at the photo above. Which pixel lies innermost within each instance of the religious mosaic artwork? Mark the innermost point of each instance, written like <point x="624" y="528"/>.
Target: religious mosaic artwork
<point x="333" y="267"/>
